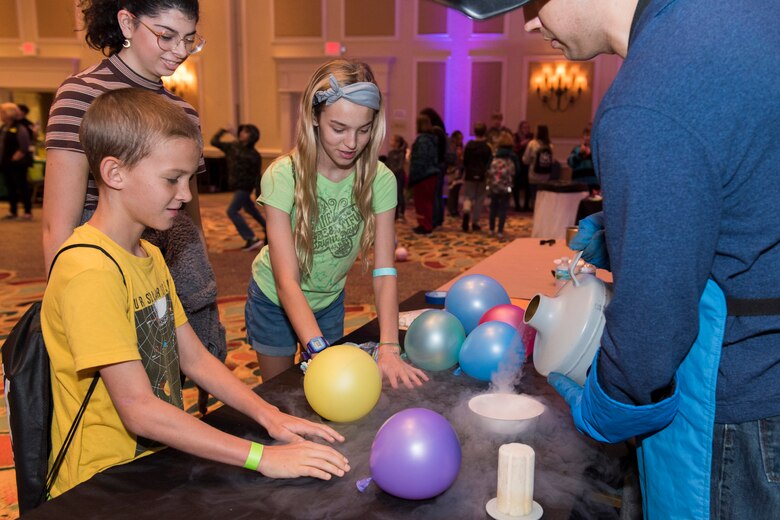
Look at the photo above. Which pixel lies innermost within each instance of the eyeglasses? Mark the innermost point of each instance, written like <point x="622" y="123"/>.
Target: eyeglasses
<point x="167" y="41"/>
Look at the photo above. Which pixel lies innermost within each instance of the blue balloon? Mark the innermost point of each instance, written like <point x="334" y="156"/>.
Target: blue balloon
<point x="490" y="348"/>
<point x="472" y="296"/>
<point x="434" y="339"/>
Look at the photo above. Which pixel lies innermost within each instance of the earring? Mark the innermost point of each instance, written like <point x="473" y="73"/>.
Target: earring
<point x="126" y="43"/>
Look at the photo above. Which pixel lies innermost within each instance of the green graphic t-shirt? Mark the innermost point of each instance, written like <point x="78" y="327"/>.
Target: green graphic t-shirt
<point x="337" y="232"/>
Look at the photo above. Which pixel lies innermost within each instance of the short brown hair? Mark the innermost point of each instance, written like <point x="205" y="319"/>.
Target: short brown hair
<point x="128" y="123"/>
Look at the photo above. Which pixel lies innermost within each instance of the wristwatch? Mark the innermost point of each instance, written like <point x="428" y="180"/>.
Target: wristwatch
<point x="316" y="345"/>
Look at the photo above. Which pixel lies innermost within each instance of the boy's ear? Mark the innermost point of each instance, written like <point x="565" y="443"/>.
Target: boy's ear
<point x="112" y="172"/>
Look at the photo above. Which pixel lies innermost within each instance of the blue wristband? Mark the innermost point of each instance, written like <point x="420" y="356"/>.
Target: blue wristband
<point x="385" y="271"/>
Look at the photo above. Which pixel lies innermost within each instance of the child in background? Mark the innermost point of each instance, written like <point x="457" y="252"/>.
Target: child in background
<point x="499" y="181"/>
<point x="539" y="156"/>
<point x="455" y="174"/>
<point x="123" y="319"/>
<point x="326" y="201"/>
<point x="244" y="168"/>
<point x="581" y="163"/>
<point x="396" y="161"/>
<point x="476" y="161"/>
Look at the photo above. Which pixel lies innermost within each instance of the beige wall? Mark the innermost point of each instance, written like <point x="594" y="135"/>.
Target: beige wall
<point x="251" y="71"/>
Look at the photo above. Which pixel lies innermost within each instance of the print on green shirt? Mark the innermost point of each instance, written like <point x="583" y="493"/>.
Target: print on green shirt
<point x="338" y="223"/>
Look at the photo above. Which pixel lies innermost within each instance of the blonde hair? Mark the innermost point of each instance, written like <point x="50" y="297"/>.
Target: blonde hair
<point x="304" y="161"/>
<point x="506" y="140"/>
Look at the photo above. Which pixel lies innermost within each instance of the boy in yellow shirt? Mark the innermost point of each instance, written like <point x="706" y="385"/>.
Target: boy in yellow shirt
<point x="142" y="150"/>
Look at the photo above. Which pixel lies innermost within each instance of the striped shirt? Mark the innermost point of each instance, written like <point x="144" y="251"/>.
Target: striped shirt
<point x="76" y="94"/>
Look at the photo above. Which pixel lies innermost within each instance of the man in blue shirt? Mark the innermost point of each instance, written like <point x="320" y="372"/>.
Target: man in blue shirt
<point x="685" y="145"/>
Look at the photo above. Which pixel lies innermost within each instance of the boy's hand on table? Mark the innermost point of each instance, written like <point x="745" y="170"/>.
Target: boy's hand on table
<point x="303" y="459"/>
<point x="288" y="428"/>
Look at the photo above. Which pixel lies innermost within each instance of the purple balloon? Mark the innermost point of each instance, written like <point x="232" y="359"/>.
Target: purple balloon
<point x="415" y="455"/>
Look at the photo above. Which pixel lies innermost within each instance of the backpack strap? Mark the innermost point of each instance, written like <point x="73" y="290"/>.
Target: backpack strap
<point x="91" y="246"/>
<point x="55" y="469"/>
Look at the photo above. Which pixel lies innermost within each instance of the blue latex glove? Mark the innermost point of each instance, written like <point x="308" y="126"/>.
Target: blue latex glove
<point x="606" y="420"/>
<point x="590" y="240"/>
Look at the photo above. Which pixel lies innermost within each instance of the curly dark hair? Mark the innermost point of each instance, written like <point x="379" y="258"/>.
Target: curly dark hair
<point x="101" y="26"/>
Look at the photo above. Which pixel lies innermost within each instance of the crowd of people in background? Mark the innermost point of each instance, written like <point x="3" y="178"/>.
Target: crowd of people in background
<point x="444" y="175"/>
<point x="17" y="144"/>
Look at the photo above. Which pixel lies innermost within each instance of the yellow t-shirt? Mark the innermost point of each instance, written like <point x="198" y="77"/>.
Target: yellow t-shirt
<point x="89" y="320"/>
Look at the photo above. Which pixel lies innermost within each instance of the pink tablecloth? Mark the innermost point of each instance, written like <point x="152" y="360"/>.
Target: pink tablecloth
<point x="524" y="268"/>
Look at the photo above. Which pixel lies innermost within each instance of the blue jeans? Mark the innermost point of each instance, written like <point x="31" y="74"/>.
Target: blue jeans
<point x="270" y="332"/>
<point x="242" y="199"/>
<point x="746" y="470"/>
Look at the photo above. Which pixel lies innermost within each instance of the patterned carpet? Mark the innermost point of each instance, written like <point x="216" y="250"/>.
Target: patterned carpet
<point x="447" y="251"/>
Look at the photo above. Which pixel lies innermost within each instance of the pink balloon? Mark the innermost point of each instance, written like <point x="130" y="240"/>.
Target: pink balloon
<point x="529" y="337"/>
<point x="401" y="254"/>
<point x="513" y="315"/>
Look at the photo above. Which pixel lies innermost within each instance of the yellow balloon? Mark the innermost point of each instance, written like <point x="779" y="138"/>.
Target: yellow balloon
<point x="342" y="383"/>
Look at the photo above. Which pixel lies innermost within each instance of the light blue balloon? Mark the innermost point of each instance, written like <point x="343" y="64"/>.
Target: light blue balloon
<point x="491" y="347"/>
<point x="434" y="339"/>
<point x="472" y="296"/>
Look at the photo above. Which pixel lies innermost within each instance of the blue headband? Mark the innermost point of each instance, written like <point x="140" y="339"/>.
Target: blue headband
<point x="362" y="93"/>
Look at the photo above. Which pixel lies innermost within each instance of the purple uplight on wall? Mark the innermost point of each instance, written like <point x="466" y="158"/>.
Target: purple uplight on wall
<point x="457" y="106"/>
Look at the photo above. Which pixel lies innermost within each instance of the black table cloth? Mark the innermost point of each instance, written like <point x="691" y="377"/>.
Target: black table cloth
<point x="574" y="477"/>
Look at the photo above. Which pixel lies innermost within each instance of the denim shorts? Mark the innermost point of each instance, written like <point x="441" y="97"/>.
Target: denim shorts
<point x="270" y="332"/>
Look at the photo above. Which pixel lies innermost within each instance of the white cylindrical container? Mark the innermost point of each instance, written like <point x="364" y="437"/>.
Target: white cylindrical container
<point x="569" y="326"/>
<point x="515" y="495"/>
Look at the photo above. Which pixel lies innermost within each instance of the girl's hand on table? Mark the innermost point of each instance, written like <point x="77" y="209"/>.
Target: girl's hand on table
<point x="392" y="367"/>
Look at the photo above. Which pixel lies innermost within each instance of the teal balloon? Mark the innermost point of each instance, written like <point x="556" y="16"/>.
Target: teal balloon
<point x="472" y="296"/>
<point x="433" y="340"/>
<point x="492" y="347"/>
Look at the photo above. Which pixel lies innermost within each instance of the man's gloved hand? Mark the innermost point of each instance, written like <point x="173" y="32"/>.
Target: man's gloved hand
<point x="606" y="420"/>
<point x="590" y="240"/>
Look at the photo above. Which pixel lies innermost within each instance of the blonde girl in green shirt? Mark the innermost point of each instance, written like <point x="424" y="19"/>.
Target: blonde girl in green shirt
<point x="327" y="201"/>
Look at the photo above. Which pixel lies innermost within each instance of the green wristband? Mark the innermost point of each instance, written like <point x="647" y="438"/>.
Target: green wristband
<point x="255" y="454"/>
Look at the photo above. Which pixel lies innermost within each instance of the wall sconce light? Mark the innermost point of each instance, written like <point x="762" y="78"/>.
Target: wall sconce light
<point x="182" y="81"/>
<point x="559" y="85"/>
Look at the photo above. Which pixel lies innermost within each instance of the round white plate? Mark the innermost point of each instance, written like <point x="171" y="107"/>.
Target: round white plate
<point x="492" y="510"/>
